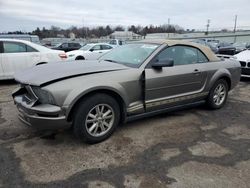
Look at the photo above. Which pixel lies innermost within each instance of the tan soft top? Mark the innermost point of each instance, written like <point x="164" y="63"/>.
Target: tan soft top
<point x="206" y="50"/>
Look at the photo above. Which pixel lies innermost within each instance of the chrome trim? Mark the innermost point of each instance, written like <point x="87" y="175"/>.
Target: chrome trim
<point x="135" y="108"/>
<point x="176" y="99"/>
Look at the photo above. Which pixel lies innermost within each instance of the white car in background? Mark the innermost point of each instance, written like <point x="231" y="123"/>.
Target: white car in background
<point x="16" y="55"/>
<point x="244" y="59"/>
<point x="90" y="51"/>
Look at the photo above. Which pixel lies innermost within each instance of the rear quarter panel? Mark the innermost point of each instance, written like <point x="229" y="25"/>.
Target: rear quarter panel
<point x="225" y="68"/>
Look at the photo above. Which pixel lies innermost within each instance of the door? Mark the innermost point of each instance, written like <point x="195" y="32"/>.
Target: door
<point x="168" y="85"/>
<point x="95" y="52"/>
<point x="17" y="56"/>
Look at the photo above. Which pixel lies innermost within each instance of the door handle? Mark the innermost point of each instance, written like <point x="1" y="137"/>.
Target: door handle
<point x="100" y="52"/>
<point x="196" y="71"/>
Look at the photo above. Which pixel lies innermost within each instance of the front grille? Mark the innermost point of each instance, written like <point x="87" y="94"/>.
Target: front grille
<point x="248" y="64"/>
<point x="243" y="63"/>
<point x="245" y="71"/>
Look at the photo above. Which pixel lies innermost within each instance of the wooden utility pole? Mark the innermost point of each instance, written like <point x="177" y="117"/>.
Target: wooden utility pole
<point x="208" y="24"/>
<point x="168" y="26"/>
<point x="235" y="23"/>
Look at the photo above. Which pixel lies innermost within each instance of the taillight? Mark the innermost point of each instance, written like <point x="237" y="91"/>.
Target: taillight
<point x="63" y="56"/>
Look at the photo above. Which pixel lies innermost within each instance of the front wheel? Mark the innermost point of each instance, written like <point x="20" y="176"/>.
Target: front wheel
<point x="218" y="94"/>
<point x="96" y="118"/>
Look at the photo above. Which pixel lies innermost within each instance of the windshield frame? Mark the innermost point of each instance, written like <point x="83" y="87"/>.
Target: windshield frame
<point x="130" y="64"/>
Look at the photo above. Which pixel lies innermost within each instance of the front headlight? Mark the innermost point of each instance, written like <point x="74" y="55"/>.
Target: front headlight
<point x="43" y="96"/>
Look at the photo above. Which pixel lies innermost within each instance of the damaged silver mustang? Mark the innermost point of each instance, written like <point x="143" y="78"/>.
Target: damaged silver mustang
<point x="129" y="82"/>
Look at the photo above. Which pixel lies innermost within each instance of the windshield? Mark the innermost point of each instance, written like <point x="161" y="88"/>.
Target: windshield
<point x="57" y="45"/>
<point x="213" y="44"/>
<point x="132" y="55"/>
<point x="86" y="47"/>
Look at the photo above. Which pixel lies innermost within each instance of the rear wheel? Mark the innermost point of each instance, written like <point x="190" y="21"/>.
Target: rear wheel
<point x="79" y="58"/>
<point x="96" y="118"/>
<point x="218" y="94"/>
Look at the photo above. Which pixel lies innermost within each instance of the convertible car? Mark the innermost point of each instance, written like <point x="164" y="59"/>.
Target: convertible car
<point x="129" y="82"/>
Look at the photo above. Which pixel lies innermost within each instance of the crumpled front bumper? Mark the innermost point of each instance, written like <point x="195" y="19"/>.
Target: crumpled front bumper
<point x="41" y="116"/>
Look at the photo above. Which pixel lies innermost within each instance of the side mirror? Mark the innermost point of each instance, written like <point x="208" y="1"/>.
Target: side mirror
<point x="91" y="50"/>
<point x="163" y="63"/>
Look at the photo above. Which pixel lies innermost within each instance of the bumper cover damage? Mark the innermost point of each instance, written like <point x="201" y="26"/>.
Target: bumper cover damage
<point x="40" y="116"/>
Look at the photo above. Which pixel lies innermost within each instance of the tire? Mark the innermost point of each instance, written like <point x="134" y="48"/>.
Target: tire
<point x="80" y="58"/>
<point x="216" y="99"/>
<point x="88" y="123"/>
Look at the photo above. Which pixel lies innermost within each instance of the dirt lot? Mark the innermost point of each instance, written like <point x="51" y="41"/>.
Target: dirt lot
<point x="189" y="148"/>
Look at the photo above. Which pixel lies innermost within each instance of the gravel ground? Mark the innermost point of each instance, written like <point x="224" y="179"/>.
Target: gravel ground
<point x="190" y="148"/>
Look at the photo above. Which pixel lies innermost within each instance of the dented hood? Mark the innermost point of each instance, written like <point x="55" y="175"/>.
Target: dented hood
<point x="49" y="73"/>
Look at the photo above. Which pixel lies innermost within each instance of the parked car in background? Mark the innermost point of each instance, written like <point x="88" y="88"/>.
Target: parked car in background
<point x="90" y="51"/>
<point x="129" y="82"/>
<point x="234" y="48"/>
<point x="244" y="59"/>
<point x="16" y="55"/>
<point x="212" y="45"/>
<point x="67" y="46"/>
<point x="116" y="42"/>
<point x="224" y="44"/>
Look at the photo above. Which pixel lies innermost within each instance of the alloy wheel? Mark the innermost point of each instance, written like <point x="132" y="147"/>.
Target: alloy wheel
<point x="219" y="94"/>
<point x="100" y="120"/>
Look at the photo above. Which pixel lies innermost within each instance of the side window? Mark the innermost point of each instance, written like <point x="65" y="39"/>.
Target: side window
<point x="77" y="45"/>
<point x="201" y="57"/>
<point x="96" y="47"/>
<point x="106" y="47"/>
<point x="189" y="55"/>
<point x="74" y="45"/>
<point x="30" y="49"/>
<point x="13" y="47"/>
<point x="167" y="53"/>
<point x="65" y="45"/>
<point x="182" y="55"/>
<point x="113" y="42"/>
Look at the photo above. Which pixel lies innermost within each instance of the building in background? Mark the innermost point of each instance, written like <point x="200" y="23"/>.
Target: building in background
<point x="240" y="36"/>
<point x="125" y="35"/>
<point x="31" y="38"/>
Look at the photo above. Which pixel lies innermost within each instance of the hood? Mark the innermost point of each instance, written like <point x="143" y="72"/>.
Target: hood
<point x="48" y="73"/>
<point x="243" y="56"/>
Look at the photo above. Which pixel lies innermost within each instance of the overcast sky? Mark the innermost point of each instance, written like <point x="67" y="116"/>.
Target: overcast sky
<point x="26" y="15"/>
